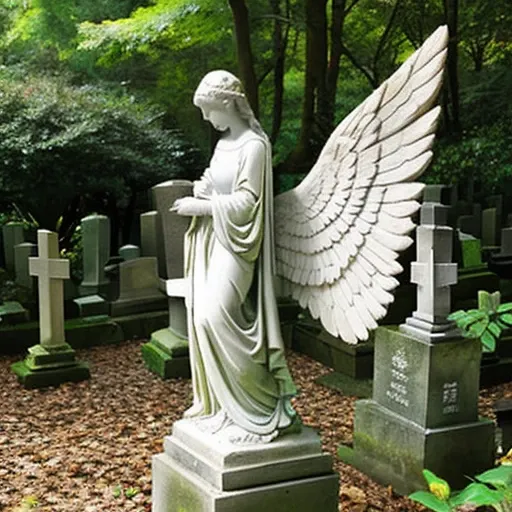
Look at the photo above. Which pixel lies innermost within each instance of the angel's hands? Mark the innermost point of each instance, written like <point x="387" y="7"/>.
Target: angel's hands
<point x="191" y="206"/>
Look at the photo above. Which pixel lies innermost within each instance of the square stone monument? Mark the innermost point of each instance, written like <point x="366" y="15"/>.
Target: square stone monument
<point x="52" y="361"/>
<point x="199" y="473"/>
<point x="166" y="354"/>
<point x="424" y="410"/>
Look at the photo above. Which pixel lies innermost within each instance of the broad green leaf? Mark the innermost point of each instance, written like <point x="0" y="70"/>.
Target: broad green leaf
<point x="495" y="329"/>
<point x="504" y="308"/>
<point x="478" y="328"/>
<point x="507" y="318"/>
<point x="488" y="341"/>
<point x="477" y="494"/>
<point x="429" y="500"/>
<point x="498" y="477"/>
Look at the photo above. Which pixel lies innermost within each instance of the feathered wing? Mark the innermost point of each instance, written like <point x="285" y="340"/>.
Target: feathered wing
<point x="339" y="232"/>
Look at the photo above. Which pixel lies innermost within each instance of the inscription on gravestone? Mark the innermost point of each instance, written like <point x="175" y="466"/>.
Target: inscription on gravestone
<point x="450" y="397"/>
<point x="398" y="391"/>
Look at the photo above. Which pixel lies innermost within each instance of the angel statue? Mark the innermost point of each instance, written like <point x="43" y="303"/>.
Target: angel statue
<point x="333" y="240"/>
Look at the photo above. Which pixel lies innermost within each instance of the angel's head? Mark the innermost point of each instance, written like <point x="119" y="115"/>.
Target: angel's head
<point x="220" y="95"/>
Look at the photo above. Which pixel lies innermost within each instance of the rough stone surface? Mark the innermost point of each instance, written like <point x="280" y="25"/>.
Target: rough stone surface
<point x="13" y="234"/>
<point x="198" y="473"/>
<point x="170" y="226"/>
<point x="22" y="252"/>
<point x="129" y="252"/>
<point x="149" y="234"/>
<point x="138" y="289"/>
<point x="96" y="243"/>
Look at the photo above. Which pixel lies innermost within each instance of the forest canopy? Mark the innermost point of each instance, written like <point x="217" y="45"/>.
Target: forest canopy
<point x="305" y="64"/>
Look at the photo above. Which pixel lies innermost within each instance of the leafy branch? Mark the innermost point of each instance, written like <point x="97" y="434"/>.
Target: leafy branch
<point x="487" y="322"/>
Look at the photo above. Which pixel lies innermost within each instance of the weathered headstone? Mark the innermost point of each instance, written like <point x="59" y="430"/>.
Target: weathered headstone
<point x="473" y="274"/>
<point x="166" y="354"/>
<point x="424" y="410"/>
<point x="22" y="253"/>
<point x="149" y="234"/>
<point x="13" y="234"/>
<point x="52" y="361"/>
<point x="138" y="289"/>
<point x="490" y="227"/>
<point x="129" y="252"/>
<point x="501" y="263"/>
<point x="96" y="252"/>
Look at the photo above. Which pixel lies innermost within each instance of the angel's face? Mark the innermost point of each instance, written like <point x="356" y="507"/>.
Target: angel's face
<point x="217" y="115"/>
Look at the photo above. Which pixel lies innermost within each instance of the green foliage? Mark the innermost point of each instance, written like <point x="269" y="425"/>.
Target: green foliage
<point x="492" y="488"/>
<point x="58" y="141"/>
<point x="484" y="155"/>
<point x="74" y="253"/>
<point x="487" y="322"/>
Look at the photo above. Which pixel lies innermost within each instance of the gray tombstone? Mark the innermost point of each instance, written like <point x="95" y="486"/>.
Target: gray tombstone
<point x="149" y="233"/>
<point x="13" y="235"/>
<point x="424" y="409"/>
<point x="138" y="289"/>
<point x="96" y="252"/>
<point x="506" y="242"/>
<point x="171" y="226"/>
<point x="129" y="252"/>
<point x="22" y="253"/>
<point x="166" y="354"/>
<point x="490" y="227"/>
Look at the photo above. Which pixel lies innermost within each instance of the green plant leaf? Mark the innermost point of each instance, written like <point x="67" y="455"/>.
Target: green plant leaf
<point x="429" y="500"/>
<point x="488" y="341"/>
<point x="478" y="328"/>
<point x="477" y="494"/>
<point x="504" y="308"/>
<point x="495" y="329"/>
<point x="498" y="477"/>
<point x="131" y="492"/>
<point x="506" y="318"/>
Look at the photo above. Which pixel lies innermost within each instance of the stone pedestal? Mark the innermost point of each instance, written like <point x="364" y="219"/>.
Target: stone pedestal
<point x="423" y="414"/>
<point x="198" y="473"/>
<point x="50" y="366"/>
<point x="166" y="354"/>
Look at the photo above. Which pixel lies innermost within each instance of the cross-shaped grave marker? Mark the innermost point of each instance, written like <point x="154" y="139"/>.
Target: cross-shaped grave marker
<point x="52" y="361"/>
<point x="50" y="270"/>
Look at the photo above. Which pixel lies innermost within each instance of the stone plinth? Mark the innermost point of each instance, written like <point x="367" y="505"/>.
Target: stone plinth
<point x="423" y="414"/>
<point x="199" y="473"/>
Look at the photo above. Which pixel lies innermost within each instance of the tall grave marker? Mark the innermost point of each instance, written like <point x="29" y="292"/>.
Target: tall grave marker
<point x="166" y="354"/>
<point x="424" y="410"/>
<point x="52" y="361"/>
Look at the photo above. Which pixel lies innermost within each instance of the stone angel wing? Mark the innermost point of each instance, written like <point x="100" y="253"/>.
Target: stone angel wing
<point x="339" y="232"/>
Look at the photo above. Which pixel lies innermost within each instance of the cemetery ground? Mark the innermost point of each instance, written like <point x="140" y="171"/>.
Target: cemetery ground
<point x="87" y="447"/>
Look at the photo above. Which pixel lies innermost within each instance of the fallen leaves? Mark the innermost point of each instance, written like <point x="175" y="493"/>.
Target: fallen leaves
<point x="87" y="447"/>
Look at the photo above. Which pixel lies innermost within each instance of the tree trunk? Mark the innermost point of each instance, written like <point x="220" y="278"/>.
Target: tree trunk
<point x="315" y="85"/>
<point x="451" y="14"/>
<point x="333" y="68"/>
<point x="244" y="52"/>
<point x="280" y="43"/>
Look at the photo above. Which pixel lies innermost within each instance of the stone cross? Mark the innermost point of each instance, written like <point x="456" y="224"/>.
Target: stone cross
<point x="50" y="270"/>
<point x="434" y="273"/>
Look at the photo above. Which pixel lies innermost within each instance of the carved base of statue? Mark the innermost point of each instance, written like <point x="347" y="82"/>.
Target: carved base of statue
<point x="206" y="472"/>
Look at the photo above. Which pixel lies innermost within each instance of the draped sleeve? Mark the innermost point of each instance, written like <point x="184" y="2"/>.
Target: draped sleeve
<point x="238" y="217"/>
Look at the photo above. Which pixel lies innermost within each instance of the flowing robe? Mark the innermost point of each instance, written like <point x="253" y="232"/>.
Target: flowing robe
<point x="236" y="348"/>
